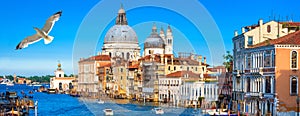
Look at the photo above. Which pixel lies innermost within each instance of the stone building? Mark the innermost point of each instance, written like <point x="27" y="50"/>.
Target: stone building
<point x="60" y="82"/>
<point x="257" y="84"/>
<point x="88" y="75"/>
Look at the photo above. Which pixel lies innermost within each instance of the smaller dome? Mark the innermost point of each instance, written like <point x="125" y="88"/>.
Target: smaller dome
<point x="154" y="41"/>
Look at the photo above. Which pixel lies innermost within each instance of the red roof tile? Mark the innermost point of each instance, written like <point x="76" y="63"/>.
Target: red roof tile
<point x="134" y="66"/>
<point x="97" y="58"/>
<point x="101" y="57"/>
<point x="105" y="64"/>
<point x="293" y="38"/>
<point x="291" y="24"/>
<point x="183" y="73"/>
<point x="21" y="78"/>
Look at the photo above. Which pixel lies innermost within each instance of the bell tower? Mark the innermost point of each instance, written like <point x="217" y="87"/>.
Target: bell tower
<point x="59" y="72"/>
<point x="169" y="41"/>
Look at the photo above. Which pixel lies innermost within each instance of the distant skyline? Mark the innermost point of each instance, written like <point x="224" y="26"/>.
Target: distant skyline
<point x="19" y="17"/>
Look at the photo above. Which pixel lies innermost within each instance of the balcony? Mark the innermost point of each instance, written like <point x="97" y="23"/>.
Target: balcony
<point x="266" y="70"/>
<point x="252" y="94"/>
<point x="266" y="95"/>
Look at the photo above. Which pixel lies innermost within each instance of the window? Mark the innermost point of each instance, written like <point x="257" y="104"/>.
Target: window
<point x="294" y="85"/>
<point x="196" y="68"/>
<point x="272" y="59"/>
<point x="248" y="61"/>
<point x="248" y="84"/>
<point x="121" y="78"/>
<point x="60" y="86"/>
<point x="250" y="40"/>
<point x="268" y="84"/>
<point x="169" y="68"/>
<point x="294" y="60"/>
<point x="269" y="28"/>
<point x="70" y="86"/>
<point x="174" y="68"/>
<point x="188" y="68"/>
<point x="128" y="55"/>
<point x="267" y="57"/>
<point x="59" y="75"/>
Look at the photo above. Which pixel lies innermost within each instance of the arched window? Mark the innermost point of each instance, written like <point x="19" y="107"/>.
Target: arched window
<point x="128" y="55"/>
<point x="293" y="85"/>
<point x="269" y="28"/>
<point x="294" y="60"/>
<point x="70" y="86"/>
<point x="60" y="86"/>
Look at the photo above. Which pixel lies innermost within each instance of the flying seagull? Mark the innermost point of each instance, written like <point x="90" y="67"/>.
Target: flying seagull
<point x="41" y="33"/>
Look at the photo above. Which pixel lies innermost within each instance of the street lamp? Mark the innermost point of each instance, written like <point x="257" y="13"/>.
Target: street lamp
<point x="298" y="100"/>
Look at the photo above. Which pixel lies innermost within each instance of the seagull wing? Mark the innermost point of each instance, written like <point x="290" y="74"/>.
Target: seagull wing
<point x="50" y="22"/>
<point x="28" y="40"/>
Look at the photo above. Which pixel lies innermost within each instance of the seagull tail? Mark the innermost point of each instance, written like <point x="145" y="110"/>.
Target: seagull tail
<point x="48" y="39"/>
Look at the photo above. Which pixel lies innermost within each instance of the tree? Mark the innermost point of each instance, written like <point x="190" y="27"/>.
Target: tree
<point x="228" y="60"/>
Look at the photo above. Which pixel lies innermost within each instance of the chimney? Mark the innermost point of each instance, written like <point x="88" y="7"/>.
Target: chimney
<point x="260" y="22"/>
<point x="260" y="30"/>
<point x="192" y="56"/>
<point x="235" y="33"/>
<point x="243" y="29"/>
<point x="204" y="60"/>
<point x="200" y="59"/>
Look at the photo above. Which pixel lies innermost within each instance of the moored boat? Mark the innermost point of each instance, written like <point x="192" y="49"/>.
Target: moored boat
<point x="158" y="111"/>
<point x="99" y="101"/>
<point x="52" y="91"/>
<point x="108" y="112"/>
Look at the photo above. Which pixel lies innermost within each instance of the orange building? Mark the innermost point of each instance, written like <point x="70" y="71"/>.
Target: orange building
<point x="276" y="61"/>
<point x="265" y="76"/>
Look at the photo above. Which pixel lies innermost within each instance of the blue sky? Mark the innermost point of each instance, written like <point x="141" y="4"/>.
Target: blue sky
<point x="18" y="18"/>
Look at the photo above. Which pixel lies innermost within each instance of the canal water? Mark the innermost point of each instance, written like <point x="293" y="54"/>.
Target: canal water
<point x="65" y="105"/>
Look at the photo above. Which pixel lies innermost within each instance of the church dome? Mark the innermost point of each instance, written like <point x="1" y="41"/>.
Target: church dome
<point x="154" y="40"/>
<point x="121" y="34"/>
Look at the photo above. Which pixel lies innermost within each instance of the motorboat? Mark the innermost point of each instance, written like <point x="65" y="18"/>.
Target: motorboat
<point x="100" y="101"/>
<point x="108" y="112"/>
<point x="11" y="94"/>
<point x="158" y="111"/>
<point x="7" y="82"/>
<point x="52" y="91"/>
